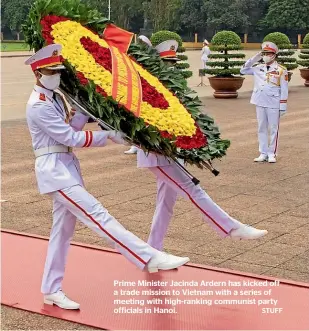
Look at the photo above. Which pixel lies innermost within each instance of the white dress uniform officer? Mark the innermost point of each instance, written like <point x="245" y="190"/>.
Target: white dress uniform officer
<point x="205" y="53"/>
<point x="54" y="133"/>
<point x="270" y="96"/>
<point x="173" y="182"/>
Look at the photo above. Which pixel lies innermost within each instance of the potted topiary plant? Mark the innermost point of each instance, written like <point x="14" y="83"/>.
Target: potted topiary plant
<point x="161" y="36"/>
<point x="285" y="55"/>
<point x="304" y="60"/>
<point x="222" y="67"/>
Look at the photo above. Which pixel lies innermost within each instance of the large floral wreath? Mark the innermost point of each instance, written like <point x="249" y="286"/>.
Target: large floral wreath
<point x="130" y="88"/>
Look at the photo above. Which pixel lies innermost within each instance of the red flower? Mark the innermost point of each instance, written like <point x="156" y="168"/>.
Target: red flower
<point x="82" y="79"/>
<point x="103" y="57"/>
<point x="98" y="89"/>
<point x="152" y="96"/>
<point x="197" y="141"/>
<point x="166" y="135"/>
<point x="46" y="23"/>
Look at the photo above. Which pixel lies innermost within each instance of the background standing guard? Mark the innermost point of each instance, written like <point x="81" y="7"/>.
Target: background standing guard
<point x="205" y="53"/>
<point x="270" y="95"/>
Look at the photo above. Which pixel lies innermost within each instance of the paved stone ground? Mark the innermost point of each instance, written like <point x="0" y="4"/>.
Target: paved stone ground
<point x="271" y="196"/>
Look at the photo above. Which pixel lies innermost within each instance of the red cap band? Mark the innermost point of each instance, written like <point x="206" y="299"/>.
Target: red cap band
<point x="53" y="60"/>
<point x="269" y="49"/>
<point x="168" y="54"/>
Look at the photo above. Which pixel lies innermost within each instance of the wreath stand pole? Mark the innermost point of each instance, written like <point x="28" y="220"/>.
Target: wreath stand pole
<point x="128" y="139"/>
<point x="202" y="75"/>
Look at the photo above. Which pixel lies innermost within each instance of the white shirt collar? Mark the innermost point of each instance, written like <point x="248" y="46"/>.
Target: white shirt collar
<point x="274" y="65"/>
<point x="45" y="91"/>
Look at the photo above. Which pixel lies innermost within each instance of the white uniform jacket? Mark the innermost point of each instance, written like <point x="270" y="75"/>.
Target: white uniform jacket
<point x="205" y="52"/>
<point x="270" y="84"/>
<point x="153" y="160"/>
<point x="49" y="125"/>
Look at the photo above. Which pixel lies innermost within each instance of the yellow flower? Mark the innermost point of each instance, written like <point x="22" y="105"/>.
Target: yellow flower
<point x="175" y="119"/>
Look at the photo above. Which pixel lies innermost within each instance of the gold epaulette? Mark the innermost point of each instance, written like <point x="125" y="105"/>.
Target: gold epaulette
<point x="282" y="67"/>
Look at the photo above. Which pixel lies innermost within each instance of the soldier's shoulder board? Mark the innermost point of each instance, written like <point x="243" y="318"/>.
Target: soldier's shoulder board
<point x="282" y="67"/>
<point x="42" y="97"/>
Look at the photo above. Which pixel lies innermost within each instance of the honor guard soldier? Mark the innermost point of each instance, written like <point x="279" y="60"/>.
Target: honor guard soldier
<point x="270" y="95"/>
<point x="54" y="133"/>
<point x="173" y="182"/>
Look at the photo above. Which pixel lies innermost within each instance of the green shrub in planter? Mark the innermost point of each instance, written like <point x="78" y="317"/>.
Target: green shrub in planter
<point x="304" y="53"/>
<point x="161" y="36"/>
<point x="225" y="63"/>
<point x="285" y="55"/>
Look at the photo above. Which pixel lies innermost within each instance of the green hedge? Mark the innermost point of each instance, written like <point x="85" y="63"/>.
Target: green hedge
<point x="306" y="39"/>
<point x="13" y="41"/>
<point x="222" y="43"/>
<point x="14" y="46"/>
<point x="161" y="36"/>
<point x="285" y="54"/>
<point x="304" y="53"/>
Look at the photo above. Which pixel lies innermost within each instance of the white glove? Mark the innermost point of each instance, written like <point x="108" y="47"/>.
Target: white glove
<point x="257" y="57"/>
<point x="117" y="137"/>
<point x="282" y="112"/>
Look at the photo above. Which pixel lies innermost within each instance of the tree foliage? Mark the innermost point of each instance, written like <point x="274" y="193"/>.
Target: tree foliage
<point x="165" y="14"/>
<point x="192" y="14"/>
<point x="187" y="17"/>
<point x="223" y="63"/>
<point x="123" y="13"/>
<point x="288" y="14"/>
<point x="14" y="13"/>
<point x="226" y="14"/>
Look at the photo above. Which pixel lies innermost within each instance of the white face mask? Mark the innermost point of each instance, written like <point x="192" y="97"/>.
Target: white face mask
<point x="50" y="82"/>
<point x="268" y="58"/>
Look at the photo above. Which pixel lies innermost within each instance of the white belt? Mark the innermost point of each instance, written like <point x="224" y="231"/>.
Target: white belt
<point x="52" y="149"/>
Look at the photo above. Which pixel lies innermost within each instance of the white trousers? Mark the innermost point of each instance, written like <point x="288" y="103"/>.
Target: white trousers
<point x="76" y="203"/>
<point x="268" y="121"/>
<point x="172" y="181"/>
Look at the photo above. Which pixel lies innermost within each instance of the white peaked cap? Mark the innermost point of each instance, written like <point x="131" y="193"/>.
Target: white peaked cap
<point x="268" y="46"/>
<point x="168" y="49"/>
<point x="47" y="57"/>
<point x="145" y="40"/>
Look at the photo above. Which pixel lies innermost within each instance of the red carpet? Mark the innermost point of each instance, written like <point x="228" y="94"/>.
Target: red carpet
<point x="90" y="276"/>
